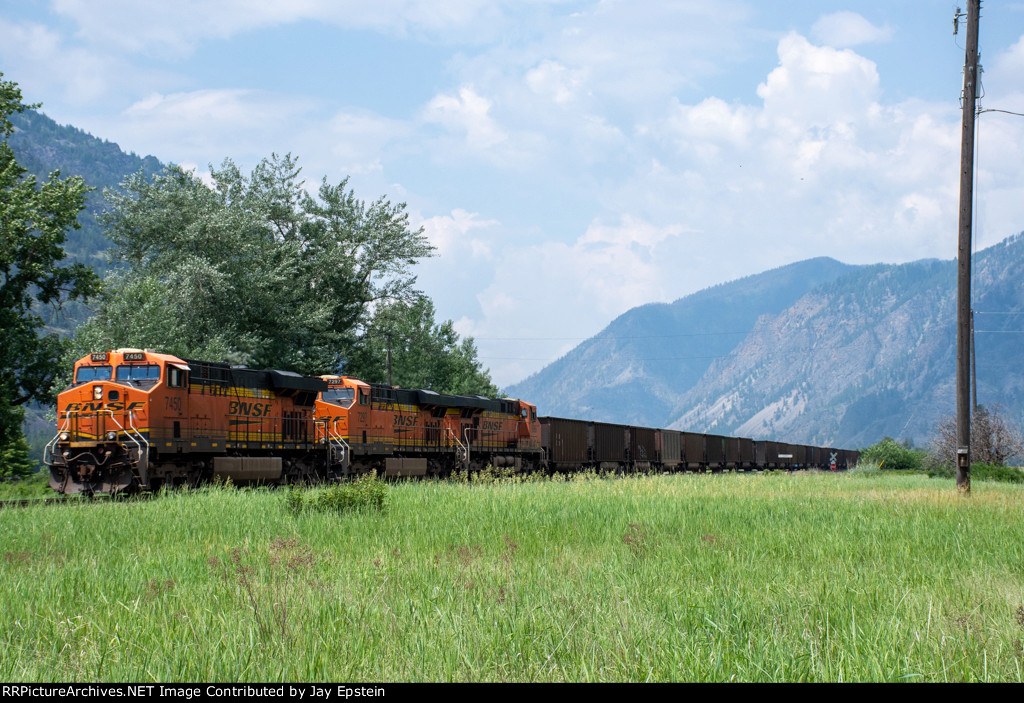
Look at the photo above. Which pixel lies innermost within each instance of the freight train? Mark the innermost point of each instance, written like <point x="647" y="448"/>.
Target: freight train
<point x="135" y="420"/>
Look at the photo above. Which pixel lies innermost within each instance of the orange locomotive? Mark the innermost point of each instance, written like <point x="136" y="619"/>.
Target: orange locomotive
<point x="400" y="432"/>
<point x="135" y="420"/>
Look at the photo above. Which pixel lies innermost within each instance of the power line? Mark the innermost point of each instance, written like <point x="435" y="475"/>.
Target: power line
<point x="992" y="109"/>
<point x="609" y="337"/>
<point x="659" y="358"/>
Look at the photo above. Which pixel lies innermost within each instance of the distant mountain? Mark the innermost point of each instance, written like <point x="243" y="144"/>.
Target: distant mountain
<point x="817" y="352"/>
<point x="638" y="369"/>
<point x="43" y="146"/>
<point x="868" y="355"/>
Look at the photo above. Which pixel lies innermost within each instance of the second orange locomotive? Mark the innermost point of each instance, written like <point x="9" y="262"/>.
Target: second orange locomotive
<point x="401" y="432"/>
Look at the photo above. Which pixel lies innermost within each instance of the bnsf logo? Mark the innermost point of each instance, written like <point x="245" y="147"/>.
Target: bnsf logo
<point x="491" y="425"/>
<point x="405" y="420"/>
<point x="96" y="407"/>
<point x="251" y="409"/>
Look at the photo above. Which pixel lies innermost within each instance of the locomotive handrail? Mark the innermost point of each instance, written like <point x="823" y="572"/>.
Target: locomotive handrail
<point x="463" y="448"/>
<point x="501" y="439"/>
<point x="137" y="436"/>
<point x="52" y="444"/>
<point x="131" y="432"/>
<point x="335" y="438"/>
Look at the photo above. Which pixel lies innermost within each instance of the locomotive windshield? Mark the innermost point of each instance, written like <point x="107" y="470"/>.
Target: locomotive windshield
<point x="137" y="372"/>
<point x="339" y="396"/>
<point x="92" y="373"/>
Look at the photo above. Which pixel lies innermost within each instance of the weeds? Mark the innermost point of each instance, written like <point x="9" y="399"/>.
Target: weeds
<point x="364" y="493"/>
<point x="491" y="475"/>
<point x="32" y="486"/>
<point x="637" y="538"/>
<point x="507" y="475"/>
<point x="272" y="589"/>
<point x="866" y="468"/>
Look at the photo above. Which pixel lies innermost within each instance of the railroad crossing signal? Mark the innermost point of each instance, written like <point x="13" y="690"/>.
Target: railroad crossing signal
<point x="832" y="460"/>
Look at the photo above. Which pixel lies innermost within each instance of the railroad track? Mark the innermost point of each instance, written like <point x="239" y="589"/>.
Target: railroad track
<point x="56" y="500"/>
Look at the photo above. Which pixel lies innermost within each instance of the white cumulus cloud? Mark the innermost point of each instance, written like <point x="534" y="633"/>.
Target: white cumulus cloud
<point x="847" y="29"/>
<point x="467" y="114"/>
<point x="451" y="233"/>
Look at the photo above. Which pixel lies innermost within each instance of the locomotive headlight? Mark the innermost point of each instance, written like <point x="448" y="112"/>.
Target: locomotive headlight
<point x="97" y="392"/>
<point x="67" y="455"/>
<point x="111" y="436"/>
<point x="64" y="436"/>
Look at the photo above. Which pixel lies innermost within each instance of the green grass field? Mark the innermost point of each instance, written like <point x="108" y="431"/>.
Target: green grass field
<point x="758" y="577"/>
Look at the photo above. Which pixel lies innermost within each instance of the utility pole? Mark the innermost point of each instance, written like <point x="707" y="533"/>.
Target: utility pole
<point x="963" y="308"/>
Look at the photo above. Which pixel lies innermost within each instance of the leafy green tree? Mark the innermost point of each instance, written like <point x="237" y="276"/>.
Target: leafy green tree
<point x="34" y="220"/>
<point x="424" y="354"/>
<point x="255" y="270"/>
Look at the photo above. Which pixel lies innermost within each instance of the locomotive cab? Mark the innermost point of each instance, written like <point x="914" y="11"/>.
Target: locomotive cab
<point x="343" y="396"/>
<point x="103" y="441"/>
<point x="529" y="426"/>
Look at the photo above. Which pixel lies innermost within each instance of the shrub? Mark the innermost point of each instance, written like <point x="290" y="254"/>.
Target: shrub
<point x="365" y="492"/>
<point x="890" y="455"/>
<point x="996" y="472"/>
<point x="940" y="470"/>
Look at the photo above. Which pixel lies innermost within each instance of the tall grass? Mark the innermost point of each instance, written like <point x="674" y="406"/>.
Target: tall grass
<point x="693" y="578"/>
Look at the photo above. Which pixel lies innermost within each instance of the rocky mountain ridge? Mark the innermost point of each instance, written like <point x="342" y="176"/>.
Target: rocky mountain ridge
<point x="837" y="355"/>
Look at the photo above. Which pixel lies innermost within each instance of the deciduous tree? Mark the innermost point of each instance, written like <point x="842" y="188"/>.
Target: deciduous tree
<point x="256" y="270"/>
<point x="424" y="353"/>
<point x="251" y="269"/>
<point x="994" y="439"/>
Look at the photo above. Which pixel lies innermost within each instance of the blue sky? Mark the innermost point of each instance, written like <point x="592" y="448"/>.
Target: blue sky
<point x="570" y="159"/>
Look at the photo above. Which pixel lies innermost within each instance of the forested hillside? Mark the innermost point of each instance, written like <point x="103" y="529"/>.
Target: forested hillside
<point x="43" y="146"/>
